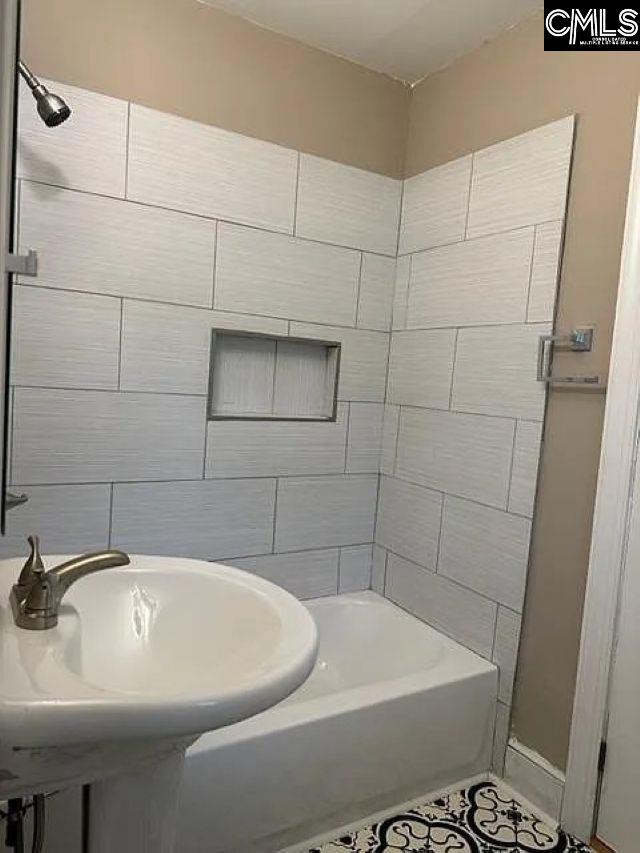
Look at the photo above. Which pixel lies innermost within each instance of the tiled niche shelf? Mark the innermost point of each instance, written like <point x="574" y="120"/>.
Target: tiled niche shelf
<point x="268" y="377"/>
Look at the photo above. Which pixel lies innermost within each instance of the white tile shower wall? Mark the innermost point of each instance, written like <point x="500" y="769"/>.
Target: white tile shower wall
<point x="152" y="230"/>
<point x="476" y="281"/>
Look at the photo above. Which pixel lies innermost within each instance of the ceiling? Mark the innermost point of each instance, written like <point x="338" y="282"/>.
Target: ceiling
<point x="406" y="39"/>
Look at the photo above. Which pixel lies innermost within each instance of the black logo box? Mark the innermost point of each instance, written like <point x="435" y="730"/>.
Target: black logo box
<point x="614" y="26"/>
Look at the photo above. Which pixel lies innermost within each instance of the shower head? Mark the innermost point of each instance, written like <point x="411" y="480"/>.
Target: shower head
<point x="51" y="109"/>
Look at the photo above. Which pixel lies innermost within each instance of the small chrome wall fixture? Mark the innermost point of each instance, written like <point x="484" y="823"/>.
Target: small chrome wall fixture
<point x="578" y="340"/>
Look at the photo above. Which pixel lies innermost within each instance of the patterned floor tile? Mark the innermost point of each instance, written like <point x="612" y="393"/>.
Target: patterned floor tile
<point x="483" y="818"/>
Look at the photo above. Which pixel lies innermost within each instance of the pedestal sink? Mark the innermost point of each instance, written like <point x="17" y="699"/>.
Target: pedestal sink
<point x="144" y="659"/>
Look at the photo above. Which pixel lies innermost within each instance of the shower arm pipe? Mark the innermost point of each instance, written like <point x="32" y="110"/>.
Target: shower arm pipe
<point x="29" y="78"/>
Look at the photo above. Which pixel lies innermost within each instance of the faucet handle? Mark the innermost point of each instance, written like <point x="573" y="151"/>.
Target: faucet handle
<point x="34" y="567"/>
<point x="39" y="609"/>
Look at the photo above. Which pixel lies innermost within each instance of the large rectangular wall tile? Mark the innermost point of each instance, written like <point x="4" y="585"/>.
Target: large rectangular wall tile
<point x="86" y="436"/>
<point x="201" y="169"/>
<point x="111" y="246"/>
<point x="390" y="422"/>
<point x="478" y="282"/>
<point x="365" y="438"/>
<point x="355" y="568"/>
<point x="305" y="574"/>
<point x="495" y="372"/>
<point x="88" y="152"/>
<point x="524" y="475"/>
<point x="363" y="359"/>
<point x="434" y="206"/>
<point x="276" y="448"/>
<point x="485" y="550"/>
<point x="465" y="455"/>
<point x="544" y="272"/>
<point x="375" y="297"/>
<point x="347" y="206"/>
<point x="505" y="651"/>
<point x="318" y="512"/>
<point x="521" y="181"/>
<point x="262" y="273"/>
<point x="421" y="367"/>
<point x="409" y="520"/>
<point x="68" y="340"/>
<point x="401" y="293"/>
<point x="449" y="608"/>
<point x="68" y="520"/>
<point x="165" y="348"/>
<point x="205" y="519"/>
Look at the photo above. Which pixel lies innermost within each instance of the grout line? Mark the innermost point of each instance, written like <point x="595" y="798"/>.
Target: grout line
<point x="273" y="378"/>
<point x="295" y="203"/>
<point x="126" y="152"/>
<point x="119" y="386"/>
<point x="511" y="418"/>
<point x="502" y="233"/>
<point x="441" y="525"/>
<point x="207" y="308"/>
<point x="120" y="391"/>
<point x="451" y="580"/>
<point x="196" y="480"/>
<point x="460" y="497"/>
<point x="204" y="460"/>
<point x="495" y="637"/>
<point x="358" y="288"/>
<point x="453" y="369"/>
<point x="347" y="435"/>
<point x="239" y="224"/>
<point x="384" y="575"/>
<point x="110" y="531"/>
<point x="407" y="292"/>
<point x="339" y="570"/>
<point x="466" y="219"/>
<point x="275" y="513"/>
<point x="513" y="459"/>
<point x="530" y="281"/>
<point x="216" y="240"/>
<point x="394" y="466"/>
<point x="400" y="216"/>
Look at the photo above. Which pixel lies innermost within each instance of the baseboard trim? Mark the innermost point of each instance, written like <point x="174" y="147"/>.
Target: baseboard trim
<point x="534" y="778"/>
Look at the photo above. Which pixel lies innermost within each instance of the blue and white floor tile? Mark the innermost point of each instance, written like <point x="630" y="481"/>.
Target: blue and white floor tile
<point x="483" y="818"/>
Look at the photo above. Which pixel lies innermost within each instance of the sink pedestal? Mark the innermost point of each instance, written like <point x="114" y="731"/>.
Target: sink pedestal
<point x="135" y="812"/>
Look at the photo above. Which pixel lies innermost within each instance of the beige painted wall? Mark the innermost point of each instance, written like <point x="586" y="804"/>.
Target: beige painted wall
<point x="508" y="86"/>
<point x="183" y="57"/>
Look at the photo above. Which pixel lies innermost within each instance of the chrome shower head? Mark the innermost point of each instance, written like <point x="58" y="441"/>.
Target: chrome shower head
<point x="51" y="108"/>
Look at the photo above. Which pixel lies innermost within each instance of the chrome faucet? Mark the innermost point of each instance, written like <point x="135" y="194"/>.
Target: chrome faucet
<point x="35" y="598"/>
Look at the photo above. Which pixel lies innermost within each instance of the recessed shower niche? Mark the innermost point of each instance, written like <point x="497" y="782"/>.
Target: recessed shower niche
<point x="260" y="377"/>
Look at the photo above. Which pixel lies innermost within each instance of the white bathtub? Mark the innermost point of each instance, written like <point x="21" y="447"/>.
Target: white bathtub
<point x="392" y="710"/>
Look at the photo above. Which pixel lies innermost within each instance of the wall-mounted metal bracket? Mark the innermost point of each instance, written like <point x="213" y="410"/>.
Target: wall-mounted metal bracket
<point x="22" y="264"/>
<point x="12" y="500"/>
<point x="578" y="340"/>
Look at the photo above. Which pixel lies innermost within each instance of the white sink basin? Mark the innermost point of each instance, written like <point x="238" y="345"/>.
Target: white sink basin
<point x="163" y="648"/>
